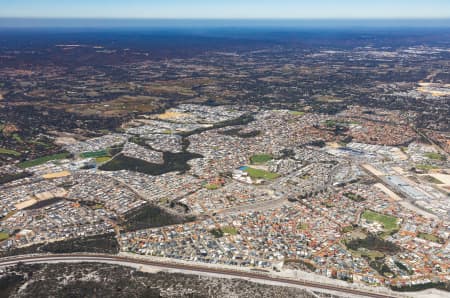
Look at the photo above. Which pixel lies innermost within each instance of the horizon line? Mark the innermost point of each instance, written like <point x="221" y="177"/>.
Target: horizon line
<point x="224" y="19"/>
<point x="211" y="23"/>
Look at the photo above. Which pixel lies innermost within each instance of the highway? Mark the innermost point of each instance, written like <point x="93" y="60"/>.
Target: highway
<point x="10" y="261"/>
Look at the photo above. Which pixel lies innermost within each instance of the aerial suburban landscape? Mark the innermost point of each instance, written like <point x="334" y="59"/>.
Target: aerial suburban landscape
<point x="256" y="163"/>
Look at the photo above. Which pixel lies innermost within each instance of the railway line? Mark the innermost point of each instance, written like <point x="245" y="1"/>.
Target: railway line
<point x="11" y="261"/>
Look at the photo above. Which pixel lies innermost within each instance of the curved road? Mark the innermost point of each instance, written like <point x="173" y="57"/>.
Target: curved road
<point x="131" y="261"/>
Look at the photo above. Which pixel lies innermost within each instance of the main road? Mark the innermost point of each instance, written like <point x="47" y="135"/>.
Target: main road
<point x="100" y="258"/>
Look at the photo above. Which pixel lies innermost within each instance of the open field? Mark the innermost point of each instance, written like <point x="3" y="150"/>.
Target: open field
<point x="430" y="237"/>
<point x="261" y="174"/>
<point x="42" y="160"/>
<point x="26" y="204"/>
<point x="425" y="167"/>
<point x="372" y="170"/>
<point x="171" y="115"/>
<point x="102" y="159"/>
<point x="3" y="236"/>
<point x="435" y="156"/>
<point x="229" y="230"/>
<point x="212" y="186"/>
<point x="297" y="113"/>
<point x="56" y="175"/>
<point x="95" y="154"/>
<point x="258" y="159"/>
<point x="9" y="152"/>
<point x="389" y="222"/>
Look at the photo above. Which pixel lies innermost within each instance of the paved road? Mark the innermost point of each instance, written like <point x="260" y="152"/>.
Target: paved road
<point x="193" y="268"/>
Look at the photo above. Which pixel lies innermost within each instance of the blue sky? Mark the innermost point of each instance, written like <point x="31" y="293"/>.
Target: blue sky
<point x="226" y="9"/>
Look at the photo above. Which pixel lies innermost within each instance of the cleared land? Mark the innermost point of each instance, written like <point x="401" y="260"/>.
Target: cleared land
<point x="57" y="175"/>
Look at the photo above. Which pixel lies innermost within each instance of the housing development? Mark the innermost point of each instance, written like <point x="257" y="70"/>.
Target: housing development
<point x="275" y="190"/>
<point x="316" y="163"/>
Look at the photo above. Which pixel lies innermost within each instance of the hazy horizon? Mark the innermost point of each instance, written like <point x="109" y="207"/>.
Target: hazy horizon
<point x="220" y="23"/>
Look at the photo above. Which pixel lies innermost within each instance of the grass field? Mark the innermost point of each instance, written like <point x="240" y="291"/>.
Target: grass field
<point x="229" y="230"/>
<point x="9" y="152"/>
<point x="258" y="159"/>
<point x="95" y="154"/>
<point x="435" y="156"/>
<point x="102" y="159"/>
<point x="430" y="237"/>
<point x="426" y="167"/>
<point x="42" y="160"/>
<point x="297" y="113"/>
<point x="211" y="186"/>
<point x="261" y="174"/>
<point x="389" y="223"/>
<point x="3" y="236"/>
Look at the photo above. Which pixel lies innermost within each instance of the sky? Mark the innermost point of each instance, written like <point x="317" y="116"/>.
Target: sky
<point x="227" y="9"/>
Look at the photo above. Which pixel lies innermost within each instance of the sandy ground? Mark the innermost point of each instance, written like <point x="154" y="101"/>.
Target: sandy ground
<point x="389" y="192"/>
<point x="399" y="154"/>
<point x="432" y="293"/>
<point x="374" y="171"/>
<point x="56" y="175"/>
<point x="171" y="115"/>
<point x="441" y="177"/>
<point x="65" y="141"/>
<point x="43" y="196"/>
<point x="399" y="170"/>
<point x="333" y="145"/>
<point x="26" y="204"/>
